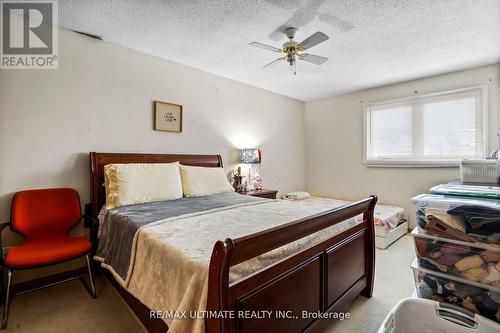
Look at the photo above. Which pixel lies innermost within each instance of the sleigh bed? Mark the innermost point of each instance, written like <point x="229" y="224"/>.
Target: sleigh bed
<point x="323" y="275"/>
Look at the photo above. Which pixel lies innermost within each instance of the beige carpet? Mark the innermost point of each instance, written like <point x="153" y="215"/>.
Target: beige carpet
<point x="393" y="281"/>
<point x="68" y="307"/>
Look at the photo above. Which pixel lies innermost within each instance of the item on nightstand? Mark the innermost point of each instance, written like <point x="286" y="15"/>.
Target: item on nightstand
<point x="298" y="195"/>
<point x="238" y="180"/>
<point x="413" y="315"/>
<point x="257" y="182"/>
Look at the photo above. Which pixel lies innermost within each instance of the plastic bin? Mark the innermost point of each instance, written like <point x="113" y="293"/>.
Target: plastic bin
<point x="472" y="296"/>
<point x="465" y="219"/>
<point x="474" y="191"/>
<point x="412" y="315"/>
<point x="471" y="261"/>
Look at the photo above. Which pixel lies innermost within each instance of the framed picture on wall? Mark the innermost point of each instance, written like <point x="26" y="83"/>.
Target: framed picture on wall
<point x="168" y="117"/>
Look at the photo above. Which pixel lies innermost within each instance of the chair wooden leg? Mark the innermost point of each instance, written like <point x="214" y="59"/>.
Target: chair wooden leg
<point x="7" y="300"/>
<point x="91" y="279"/>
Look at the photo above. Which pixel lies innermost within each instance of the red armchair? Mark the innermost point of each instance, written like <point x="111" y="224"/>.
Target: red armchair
<point x="45" y="218"/>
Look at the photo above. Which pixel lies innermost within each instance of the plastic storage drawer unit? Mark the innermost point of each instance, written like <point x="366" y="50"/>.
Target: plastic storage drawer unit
<point x="471" y="261"/>
<point x="465" y="219"/>
<point x="413" y="315"/>
<point x="475" y="297"/>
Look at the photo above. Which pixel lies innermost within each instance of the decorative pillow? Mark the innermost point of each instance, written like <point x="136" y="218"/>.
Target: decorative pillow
<point x="128" y="184"/>
<point x="200" y="181"/>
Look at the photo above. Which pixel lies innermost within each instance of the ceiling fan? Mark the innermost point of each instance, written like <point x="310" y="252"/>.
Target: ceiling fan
<point x="294" y="50"/>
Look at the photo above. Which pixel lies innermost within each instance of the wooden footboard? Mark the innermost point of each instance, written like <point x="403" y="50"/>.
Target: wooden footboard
<point x="289" y="295"/>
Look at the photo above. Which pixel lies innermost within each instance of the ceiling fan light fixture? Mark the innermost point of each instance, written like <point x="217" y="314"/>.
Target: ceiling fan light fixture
<point x="294" y="51"/>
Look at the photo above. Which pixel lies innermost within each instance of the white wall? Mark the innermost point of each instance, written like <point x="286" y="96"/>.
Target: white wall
<point x="334" y="141"/>
<point x="100" y="99"/>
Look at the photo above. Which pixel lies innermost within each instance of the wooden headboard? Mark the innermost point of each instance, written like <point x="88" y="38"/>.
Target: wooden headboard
<point x="99" y="160"/>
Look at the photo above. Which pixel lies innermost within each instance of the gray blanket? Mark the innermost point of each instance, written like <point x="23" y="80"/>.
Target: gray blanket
<point x="121" y="223"/>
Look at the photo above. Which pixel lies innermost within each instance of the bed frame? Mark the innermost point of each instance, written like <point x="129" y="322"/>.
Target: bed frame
<point x="325" y="277"/>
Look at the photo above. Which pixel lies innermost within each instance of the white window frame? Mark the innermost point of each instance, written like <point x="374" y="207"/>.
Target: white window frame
<point x="412" y="162"/>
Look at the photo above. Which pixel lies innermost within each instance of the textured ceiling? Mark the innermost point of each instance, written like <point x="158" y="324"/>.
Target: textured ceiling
<point x="372" y="43"/>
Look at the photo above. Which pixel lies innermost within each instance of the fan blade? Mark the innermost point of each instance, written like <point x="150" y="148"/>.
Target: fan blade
<point x="313" y="40"/>
<point x="315" y="59"/>
<point x="273" y="62"/>
<point x="265" y="47"/>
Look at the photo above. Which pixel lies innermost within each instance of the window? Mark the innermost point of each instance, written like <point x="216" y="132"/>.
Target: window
<point x="428" y="130"/>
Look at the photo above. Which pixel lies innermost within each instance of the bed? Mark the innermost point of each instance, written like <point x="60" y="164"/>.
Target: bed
<point x="324" y="274"/>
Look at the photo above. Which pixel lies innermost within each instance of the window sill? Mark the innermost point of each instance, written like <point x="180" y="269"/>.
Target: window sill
<point x="412" y="164"/>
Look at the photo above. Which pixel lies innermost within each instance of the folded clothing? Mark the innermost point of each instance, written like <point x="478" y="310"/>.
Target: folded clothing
<point x="479" y="220"/>
<point x="475" y="210"/>
<point x="478" y="223"/>
<point x="448" y="260"/>
<point x="476" y="274"/>
<point x="474" y="262"/>
<point x="465" y="219"/>
<point x="440" y="223"/>
<point x="469" y="262"/>
<point x="478" y="300"/>
<point x="450" y="248"/>
<point x="491" y="256"/>
<point x="296" y="195"/>
<point x="493" y="275"/>
<point x="442" y="216"/>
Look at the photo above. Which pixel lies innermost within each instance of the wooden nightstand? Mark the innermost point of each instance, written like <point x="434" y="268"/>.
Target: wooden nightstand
<point x="264" y="193"/>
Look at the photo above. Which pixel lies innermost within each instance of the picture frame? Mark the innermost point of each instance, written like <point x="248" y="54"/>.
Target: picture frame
<point x="167" y="117"/>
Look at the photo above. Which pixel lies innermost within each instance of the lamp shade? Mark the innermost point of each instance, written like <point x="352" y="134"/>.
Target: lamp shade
<point x="251" y="156"/>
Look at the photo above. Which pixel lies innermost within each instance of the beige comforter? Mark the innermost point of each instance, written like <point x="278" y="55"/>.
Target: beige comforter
<point x="170" y="258"/>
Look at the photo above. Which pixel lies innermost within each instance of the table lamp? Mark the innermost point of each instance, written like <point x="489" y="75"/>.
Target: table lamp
<point x="251" y="156"/>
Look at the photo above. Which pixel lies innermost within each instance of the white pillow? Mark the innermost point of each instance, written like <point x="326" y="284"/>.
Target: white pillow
<point x="200" y="181"/>
<point x="128" y="184"/>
